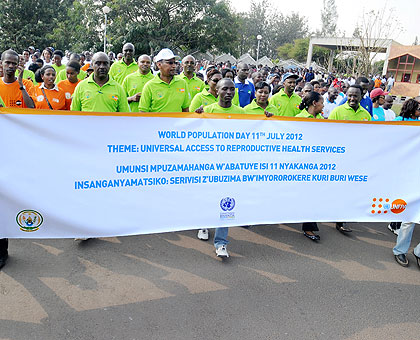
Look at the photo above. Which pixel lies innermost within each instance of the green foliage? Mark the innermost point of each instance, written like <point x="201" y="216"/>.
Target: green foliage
<point x="329" y="18"/>
<point x="298" y="50"/>
<point x="183" y="25"/>
<point x="275" y="28"/>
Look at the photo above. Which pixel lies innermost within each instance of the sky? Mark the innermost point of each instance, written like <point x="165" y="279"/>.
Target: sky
<point x="350" y="12"/>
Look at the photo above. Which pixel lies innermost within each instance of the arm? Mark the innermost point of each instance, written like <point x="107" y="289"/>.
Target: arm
<point x="25" y="95"/>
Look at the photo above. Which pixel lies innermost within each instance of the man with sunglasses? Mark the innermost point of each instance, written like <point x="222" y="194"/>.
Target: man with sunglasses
<point x="195" y="85"/>
<point x="127" y="65"/>
<point x="165" y="92"/>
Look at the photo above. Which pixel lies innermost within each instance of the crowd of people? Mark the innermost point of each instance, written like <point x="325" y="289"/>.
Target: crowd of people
<point x="100" y="82"/>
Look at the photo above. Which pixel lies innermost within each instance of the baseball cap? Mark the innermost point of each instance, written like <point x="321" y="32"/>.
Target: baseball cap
<point x="377" y="92"/>
<point x="165" y="54"/>
<point x="288" y="75"/>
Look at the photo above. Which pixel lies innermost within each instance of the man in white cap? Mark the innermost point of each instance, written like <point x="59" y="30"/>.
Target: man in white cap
<point x="286" y="100"/>
<point x="165" y="92"/>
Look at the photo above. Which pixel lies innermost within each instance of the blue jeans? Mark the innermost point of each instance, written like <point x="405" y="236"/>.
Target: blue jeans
<point x="220" y="237"/>
<point x="404" y="239"/>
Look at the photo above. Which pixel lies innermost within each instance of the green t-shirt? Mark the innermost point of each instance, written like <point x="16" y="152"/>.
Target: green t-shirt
<point x="345" y="112"/>
<point x="203" y="98"/>
<point x="119" y="70"/>
<point x="133" y="84"/>
<point x="27" y="74"/>
<point x="305" y="114"/>
<point x="287" y="106"/>
<point x="195" y="84"/>
<point x="62" y="75"/>
<point x="254" y="109"/>
<point x="159" y="96"/>
<point x="58" y="68"/>
<point x="89" y="96"/>
<point x="216" y="108"/>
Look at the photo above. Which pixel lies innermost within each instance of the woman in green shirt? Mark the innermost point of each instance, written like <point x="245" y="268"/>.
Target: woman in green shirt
<point x="261" y="105"/>
<point x="207" y="96"/>
<point x="311" y="106"/>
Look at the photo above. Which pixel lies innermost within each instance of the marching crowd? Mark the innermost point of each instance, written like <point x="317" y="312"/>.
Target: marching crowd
<point x="55" y="80"/>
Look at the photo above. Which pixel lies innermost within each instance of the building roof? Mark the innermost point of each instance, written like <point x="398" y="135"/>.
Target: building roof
<point x="399" y="50"/>
<point x="265" y="61"/>
<point x="225" y="58"/>
<point x="246" y="58"/>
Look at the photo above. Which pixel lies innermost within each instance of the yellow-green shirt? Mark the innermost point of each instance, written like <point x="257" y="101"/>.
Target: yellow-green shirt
<point x="195" y="84"/>
<point x="119" y="70"/>
<point x="254" y="109"/>
<point x="287" y="106"/>
<point x="62" y="75"/>
<point x="58" y="68"/>
<point x="305" y="114"/>
<point x="159" y="96"/>
<point x="203" y="98"/>
<point x="27" y="74"/>
<point x="2" y="102"/>
<point x="216" y="108"/>
<point x="89" y="96"/>
<point x="133" y="84"/>
<point x="345" y="112"/>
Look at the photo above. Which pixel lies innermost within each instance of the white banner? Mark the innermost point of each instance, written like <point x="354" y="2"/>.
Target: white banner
<point x="99" y="175"/>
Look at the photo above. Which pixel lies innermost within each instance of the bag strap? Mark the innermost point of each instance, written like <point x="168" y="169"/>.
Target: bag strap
<point x="45" y="96"/>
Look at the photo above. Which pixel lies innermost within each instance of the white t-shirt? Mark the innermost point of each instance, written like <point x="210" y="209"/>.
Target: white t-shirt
<point x="389" y="115"/>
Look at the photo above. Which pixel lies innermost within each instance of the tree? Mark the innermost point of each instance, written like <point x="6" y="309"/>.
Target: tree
<point x="299" y="51"/>
<point x="416" y="41"/>
<point x="25" y="22"/>
<point x="187" y="25"/>
<point x="329" y="18"/>
<point x="372" y="33"/>
<point x="275" y="28"/>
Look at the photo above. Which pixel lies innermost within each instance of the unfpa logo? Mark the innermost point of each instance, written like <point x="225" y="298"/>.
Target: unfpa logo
<point x="383" y="205"/>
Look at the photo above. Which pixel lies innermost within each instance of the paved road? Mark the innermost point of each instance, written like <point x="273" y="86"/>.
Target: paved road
<point x="276" y="285"/>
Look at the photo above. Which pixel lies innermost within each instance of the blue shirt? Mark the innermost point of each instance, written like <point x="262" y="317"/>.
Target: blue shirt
<point x="378" y="114"/>
<point x="246" y="92"/>
<point x="366" y="103"/>
<point x="405" y="119"/>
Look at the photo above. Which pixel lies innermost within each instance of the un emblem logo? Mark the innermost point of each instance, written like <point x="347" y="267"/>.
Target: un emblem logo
<point x="227" y="204"/>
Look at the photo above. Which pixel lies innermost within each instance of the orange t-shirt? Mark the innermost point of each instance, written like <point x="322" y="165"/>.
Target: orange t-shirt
<point x="11" y="94"/>
<point x="377" y="83"/>
<point x="85" y="66"/>
<point x="68" y="89"/>
<point x="56" y="97"/>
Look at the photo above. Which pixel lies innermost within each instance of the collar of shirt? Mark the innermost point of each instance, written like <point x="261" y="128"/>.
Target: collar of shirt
<point x="91" y="80"/>
<point x="237" y="81"/>
<point x="42" y="86"/>
<point x="123" y="62"/>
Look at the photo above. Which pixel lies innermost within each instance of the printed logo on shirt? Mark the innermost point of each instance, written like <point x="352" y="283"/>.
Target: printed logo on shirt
<point x="56" y="100"/>
<point x="383" y="206"/>
<point x="114" y="97"/>
<point x="68" y="95"/>
<point x="181" y="90"/>
<point x="197" y="88"/>
<point x="40" y="98"/>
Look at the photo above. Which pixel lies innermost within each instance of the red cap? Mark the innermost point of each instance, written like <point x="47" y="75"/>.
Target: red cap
<point x="377" y="92"/>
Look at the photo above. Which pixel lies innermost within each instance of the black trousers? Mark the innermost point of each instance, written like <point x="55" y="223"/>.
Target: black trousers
<point x="395" y="225"/>
<point x="310" y="226"/>
<point x="4" y="245"/>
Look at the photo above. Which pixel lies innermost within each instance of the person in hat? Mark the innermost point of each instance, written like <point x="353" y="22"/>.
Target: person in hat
<point x="286" y="100"/>
<point x="165" y="92"/>
<point x="378" y="99"/>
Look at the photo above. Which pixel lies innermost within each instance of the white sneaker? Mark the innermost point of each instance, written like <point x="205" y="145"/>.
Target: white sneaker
<point x="203" y="234"/>
<point x="222" y="252"/>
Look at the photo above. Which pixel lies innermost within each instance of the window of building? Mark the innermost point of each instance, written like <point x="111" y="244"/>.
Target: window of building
<point x="406" y="78"/>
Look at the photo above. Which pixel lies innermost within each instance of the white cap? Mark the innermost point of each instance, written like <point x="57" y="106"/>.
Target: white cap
<point x="165" y="54"/>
